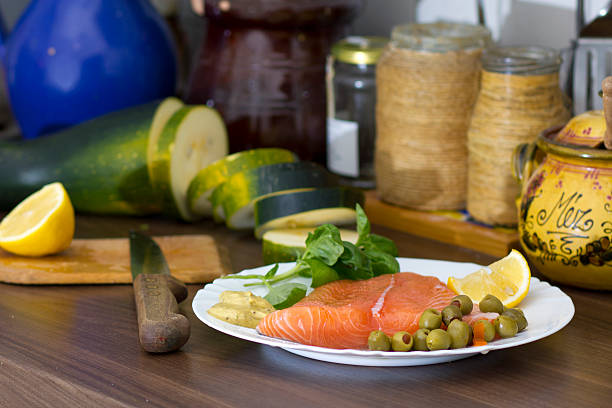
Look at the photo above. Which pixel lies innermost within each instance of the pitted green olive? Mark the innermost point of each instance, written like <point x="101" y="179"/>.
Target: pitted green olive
<point x="430" y="319"/>
<point x="401" y="341"/>
<point x="460" y="333"/>
<point x="420" y="340"/>
<point x="488" y="330"/>
<point x="438" y="339"/>
<point x="518" y="316"/>
<point x="464" y="303"/>
<point x="491" y="304"/>
<point x="379" y="341"/>
<point x="506" y="326"/>
<point x="450" y="313"/>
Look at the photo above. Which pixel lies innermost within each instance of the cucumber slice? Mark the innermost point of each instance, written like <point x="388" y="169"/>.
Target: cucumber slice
<point x="286" y="245"/>
<point x="207" y="179"/>
<point x="194" y="137"/>
<point x="333" y="205"/>
<point x="241" y="190"/>
<point x="164" y="112"/>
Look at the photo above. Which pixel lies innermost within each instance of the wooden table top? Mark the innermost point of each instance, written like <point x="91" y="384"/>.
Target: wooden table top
<point x="65" y="346"/>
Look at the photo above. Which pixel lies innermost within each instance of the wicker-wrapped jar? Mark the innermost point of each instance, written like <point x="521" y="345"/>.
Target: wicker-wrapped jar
<point x="427" y="83"/>
<point x="519" y="98"/>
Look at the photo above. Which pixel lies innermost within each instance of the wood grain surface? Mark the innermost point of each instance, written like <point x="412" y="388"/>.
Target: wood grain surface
<point x="444" y="228"/>
<point x="191" y="258"/>
<point x="77" y="346"/>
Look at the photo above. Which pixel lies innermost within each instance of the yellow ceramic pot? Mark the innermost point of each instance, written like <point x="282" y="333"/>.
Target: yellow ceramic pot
<point x="565" y="210"/>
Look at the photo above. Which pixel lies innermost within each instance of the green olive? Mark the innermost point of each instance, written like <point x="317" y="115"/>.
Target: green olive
<point x="430" y="319"/>
<point x="420" y="340"/>
<point x="438" y="339"/>
<point x="450" y="313"/>
<point x="379" y="341"/>
<point x="506" y="326"/>
<point x="401" y="341"/>
<point x="464" y="303"/>
<point x="518" y="316"/>
<point x="460" y="333"/>
<point x="491" y="304"/>
<point x="489" y="330"/>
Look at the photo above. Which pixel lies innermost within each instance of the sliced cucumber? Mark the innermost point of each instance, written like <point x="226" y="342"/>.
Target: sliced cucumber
<point x="164" y="112"/>
<point x="286" y="245"/>
<point x="207" y="179"/>
<point x="332" y="205"/>
<point x="241" y="190"/>
<point x="194" y="137"/>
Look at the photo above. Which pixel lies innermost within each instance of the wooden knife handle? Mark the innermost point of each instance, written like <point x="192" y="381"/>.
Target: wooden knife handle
<point x="160" y="327"/>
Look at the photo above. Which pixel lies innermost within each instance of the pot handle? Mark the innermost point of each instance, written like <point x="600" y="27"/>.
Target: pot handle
<point x="522" y="161"/>
<point x="606" y="86"/>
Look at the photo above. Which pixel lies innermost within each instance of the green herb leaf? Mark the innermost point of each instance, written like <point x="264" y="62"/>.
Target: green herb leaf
<point x="363" y="225"/>
<point x="381" y="262"/>
<point x="271" y="272"/>
<point x="283" y="296"/>
<point x="324" y="244"/>
<point x="383" y="244"/>
<point x="321" y="273"/>
<point x="353" y="264"/>
<point x="236" y="276"/>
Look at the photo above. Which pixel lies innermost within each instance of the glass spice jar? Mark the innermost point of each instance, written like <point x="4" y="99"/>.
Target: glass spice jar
<point x="351" y="122"/>
<point x="427" y="83"/>
<point x="519" y="98"/>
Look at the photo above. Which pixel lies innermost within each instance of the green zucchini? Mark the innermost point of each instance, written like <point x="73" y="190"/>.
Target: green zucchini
<point x="102" y="163"/>
<point x="215" y="174"/>
<point x="164" y="112"/>
<point x="193" y="138"/>
<point x="331" y="205"/>
<point x="242" y="189"/>
<point x="286" y="245"/>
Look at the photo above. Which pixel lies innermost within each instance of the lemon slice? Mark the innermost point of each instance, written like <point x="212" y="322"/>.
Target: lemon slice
<point x="507" y="279"/>
<point x="42" y="224"/>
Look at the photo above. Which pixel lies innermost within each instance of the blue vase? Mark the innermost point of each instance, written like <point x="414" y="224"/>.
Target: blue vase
<point x="67" y="61"/>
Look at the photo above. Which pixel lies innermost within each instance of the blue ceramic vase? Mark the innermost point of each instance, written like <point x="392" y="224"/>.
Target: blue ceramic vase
<point x="67" y="61"/>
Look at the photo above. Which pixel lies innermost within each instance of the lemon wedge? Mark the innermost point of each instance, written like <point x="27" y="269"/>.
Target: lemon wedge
<point x="507" y="279"/>
<point x="42" y="224"/>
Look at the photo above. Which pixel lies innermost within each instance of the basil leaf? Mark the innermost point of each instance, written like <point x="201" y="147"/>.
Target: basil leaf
<point x="381" y="262"/>
<point x="283" y="296"/>
<point x="353" y="264"/>
<point x="382" y="244"/>
<point x="321" y="273"/>
<point x="271" y="272"/>
<point x="324" y="244"/>
<point x="363" y="225"/>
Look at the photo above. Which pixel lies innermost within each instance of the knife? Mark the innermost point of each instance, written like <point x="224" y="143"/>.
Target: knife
<point x="157" y="294"/>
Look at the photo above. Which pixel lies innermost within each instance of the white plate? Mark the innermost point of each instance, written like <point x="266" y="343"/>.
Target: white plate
<point x="546" y="308"/>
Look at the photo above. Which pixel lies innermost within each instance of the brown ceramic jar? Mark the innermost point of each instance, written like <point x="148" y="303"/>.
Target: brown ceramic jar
<point x="263" y="67"/>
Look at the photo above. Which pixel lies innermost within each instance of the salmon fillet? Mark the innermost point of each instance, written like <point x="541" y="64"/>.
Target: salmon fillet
<point x="342" y="314"/>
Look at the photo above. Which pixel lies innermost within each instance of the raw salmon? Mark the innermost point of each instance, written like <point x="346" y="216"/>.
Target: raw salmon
<point x="342" y="314"/>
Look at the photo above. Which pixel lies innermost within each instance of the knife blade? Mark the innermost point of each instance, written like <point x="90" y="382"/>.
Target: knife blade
<point x="161" y="328"/>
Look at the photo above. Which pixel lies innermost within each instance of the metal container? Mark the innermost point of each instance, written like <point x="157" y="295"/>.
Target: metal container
<point x="351" y="122"/>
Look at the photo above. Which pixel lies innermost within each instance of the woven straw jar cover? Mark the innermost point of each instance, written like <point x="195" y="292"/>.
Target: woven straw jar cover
<point x="519" y="98"/>
<point x="427" y="83"/>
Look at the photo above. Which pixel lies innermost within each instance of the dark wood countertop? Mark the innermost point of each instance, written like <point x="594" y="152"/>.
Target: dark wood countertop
<point x="77" y="346"/>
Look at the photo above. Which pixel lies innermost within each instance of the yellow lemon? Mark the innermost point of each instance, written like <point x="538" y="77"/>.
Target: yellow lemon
<point x="508" y="279"/>
<point x="42" y="224"/>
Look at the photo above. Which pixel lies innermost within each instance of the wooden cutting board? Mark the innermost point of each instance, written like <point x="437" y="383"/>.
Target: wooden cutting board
<point x="191" y="258"/>
<point x="444" y="228"/>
